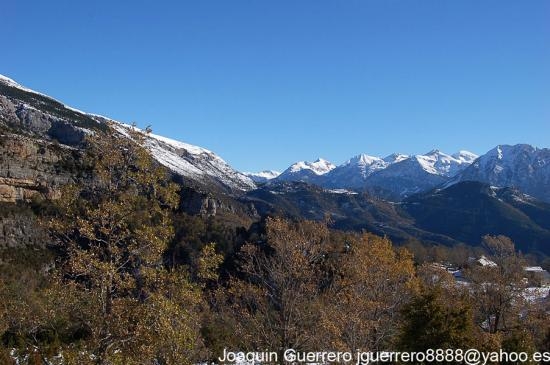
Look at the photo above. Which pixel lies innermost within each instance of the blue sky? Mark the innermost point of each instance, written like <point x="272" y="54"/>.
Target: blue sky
<point x="266" y="83"/>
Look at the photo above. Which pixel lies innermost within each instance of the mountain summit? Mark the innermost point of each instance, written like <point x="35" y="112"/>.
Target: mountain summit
<point x="307" y="171"/>
<point x="521" y="166"/>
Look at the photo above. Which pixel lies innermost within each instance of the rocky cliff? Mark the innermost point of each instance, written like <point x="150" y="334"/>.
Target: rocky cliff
<point x="41" y="142"/>
<point x="31" y="167"/>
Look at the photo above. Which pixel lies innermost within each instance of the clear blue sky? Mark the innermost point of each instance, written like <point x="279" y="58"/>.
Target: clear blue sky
<point x="266" y="83"/>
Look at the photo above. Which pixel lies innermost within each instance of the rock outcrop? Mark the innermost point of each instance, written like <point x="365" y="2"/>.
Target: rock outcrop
<point x="30" y="167"/>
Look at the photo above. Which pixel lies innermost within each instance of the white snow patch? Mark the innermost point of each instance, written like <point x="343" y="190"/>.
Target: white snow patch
<point x="395" y="157"/>
<point x="427" y="163"/>
<point x="499" y="151"/>
<point x="191" y="161"/>
<point x="181" y="145"/>
<point x="6" y="80"/>
<point x="439" y="163"/>
<point x="533" y="294"/>
<point x="341" y="191"/>
<point x="534" y="269"/>
<point x="484" y="261"/>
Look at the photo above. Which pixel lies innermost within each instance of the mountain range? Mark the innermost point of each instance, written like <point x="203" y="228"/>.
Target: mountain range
<point x="393" y="177"/>
<point x="397" y="176"/>
<point x="434" y="197"/>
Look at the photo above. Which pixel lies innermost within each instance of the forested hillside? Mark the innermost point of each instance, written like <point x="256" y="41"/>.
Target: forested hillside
<point x="126" y="278"/>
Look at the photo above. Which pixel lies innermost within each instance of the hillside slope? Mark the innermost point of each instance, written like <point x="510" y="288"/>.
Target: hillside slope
<point x="27" y="112"/>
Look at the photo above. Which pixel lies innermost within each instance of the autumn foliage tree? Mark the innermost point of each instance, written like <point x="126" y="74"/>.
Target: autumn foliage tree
<point x="114" y="228"/>
<point x="308" y="288"/>
<point x="498" y="289"/>
<point x="277" y="298"/>
<point x="371" y="283"/>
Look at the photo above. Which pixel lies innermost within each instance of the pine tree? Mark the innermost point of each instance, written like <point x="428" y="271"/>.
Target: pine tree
<point x="432" y="321"/>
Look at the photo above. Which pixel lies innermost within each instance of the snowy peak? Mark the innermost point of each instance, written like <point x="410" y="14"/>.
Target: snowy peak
<point x="506" y="157"/>
<point x="521" y="166"/>
<point x="511" y="153"/>
<point x="465" y="156"/>
<point x="363" y="160"/>
<point x="358" y="167"/>
<point x="415" y="174"/>
<point x="434" y="162"/>
<point x="397" y="175"/>
<point x="439" y="163"/>
<point x="262" y="176"/>
<point x="311" y="172"/>
<point x="433" y="152"/>
<point x="319" y="167"/>
<point x="395" y="157"/>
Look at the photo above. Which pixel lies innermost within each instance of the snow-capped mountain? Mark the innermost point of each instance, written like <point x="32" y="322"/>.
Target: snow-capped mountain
<point x="418" y="173"/>
<point x="354" y="173"/>
<point x="522" y="166"/>
<point x="394" y="176"/>
<point x="306" y="171"/>
<point x="195" y="162"/>
<point x="439" y="163"/>
<point x="28" y="110"/>
<point x="466" y="157"/>
<point x="262" y="176"/>
<point x="395" y="157"/>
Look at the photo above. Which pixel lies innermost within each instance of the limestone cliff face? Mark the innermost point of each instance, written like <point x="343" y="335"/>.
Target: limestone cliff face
<point x="36" y="160"/>
<point x="209" y="204"/>
<point x="37" y="145"/>
<point x="18" y="114"/>
<point x="24" y="118"/>
<point x="30" y="167"/>
<point x="13" y="190"/>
